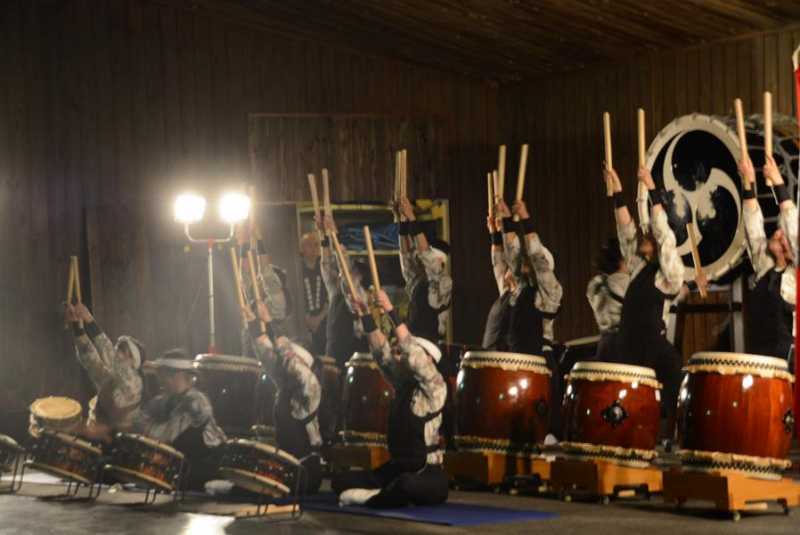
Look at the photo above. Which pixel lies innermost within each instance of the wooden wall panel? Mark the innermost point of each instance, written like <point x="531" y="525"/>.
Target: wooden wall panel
<point x="108" y="109"/>
<point x="561" y="118"/>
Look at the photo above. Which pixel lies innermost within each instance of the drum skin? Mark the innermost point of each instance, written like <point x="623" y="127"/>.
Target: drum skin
<point x="65" y="456"/>
<point x="233" y="385"/>
<point x="366" y="397"/>
<point x="618" y="413"/>
<point x="330" y="378"/>
<point x="737" y="410"/>
<point x="258" y="467"/>
<point x="502" y="402"/>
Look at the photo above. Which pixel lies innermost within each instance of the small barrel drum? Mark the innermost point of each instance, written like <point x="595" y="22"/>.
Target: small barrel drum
<point x="65" y="456"/>
<point x="232" y="384"/>
<point x="330" y="377"/>
<point x="9" y="452"/>
<point x="55" y="413"/>
<point x="259" y="467"/>
<point x="367" y="398"/>
<point x="612" y="413"/>
<point x="502" y="402"/>
<point x="145" y="462"/>
<point x="735" y="413"/>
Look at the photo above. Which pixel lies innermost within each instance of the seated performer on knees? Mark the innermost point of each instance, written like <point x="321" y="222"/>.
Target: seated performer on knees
<point x="428" y="286"/>
<point x="343" y="330"/>
<point x="656" y="272"/>
<point x="606" y="293"/>
<point x="299" y="392"/>
<point x="183" y="417"/>
<point x="112" y="368"/>
<point x="772" y="295"/>
<point x="414" y="474"/>
<point x="314" y="292"/>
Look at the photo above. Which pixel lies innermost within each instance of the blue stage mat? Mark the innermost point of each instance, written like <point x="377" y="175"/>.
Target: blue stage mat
<point x="447" y="514"/>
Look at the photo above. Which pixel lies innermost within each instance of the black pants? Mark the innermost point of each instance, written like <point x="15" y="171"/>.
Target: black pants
<point x="312" y="477"/>
<point x="399" y="487"/>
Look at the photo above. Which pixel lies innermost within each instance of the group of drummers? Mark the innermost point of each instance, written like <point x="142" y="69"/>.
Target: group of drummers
<point x="639" y="275"/>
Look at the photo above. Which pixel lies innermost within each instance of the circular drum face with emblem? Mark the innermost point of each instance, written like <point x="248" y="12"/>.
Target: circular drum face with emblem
<point x="330" y="378"/>
<point x="65" y="456"/>
<point x="232" y="384"/>
<point x="259" y="467"/>
<point x="145" y="462"/>
<point x="611" y="412"/>
<point x="367" y="398"/>
<point x="735" y="413"/>
<point x="502" y="402"/>
<point x="694" y="158"/>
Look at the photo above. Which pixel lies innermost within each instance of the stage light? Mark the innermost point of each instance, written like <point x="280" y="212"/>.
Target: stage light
<point x="189" y="208"/>
<point x="234" y="207"/>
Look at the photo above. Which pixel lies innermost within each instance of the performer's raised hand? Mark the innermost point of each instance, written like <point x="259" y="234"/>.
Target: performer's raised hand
<point x="491" y="224"/>
<point x="83" y="313"/>
<point x="247" y="314"/>
<point x="383" y="301"/>
<point x="612" y="180"/>
<point x="772" y="174"/>
<point x="329" y="224"/>
<point x="406" y="209"/>
<point x="501" y="209"/>
<point x="747" y="172"/>
<point x="70" y="315"/>
<point x="644" y="176"/>
<point x="263" y="312"/>
<point x="520" y="209"/>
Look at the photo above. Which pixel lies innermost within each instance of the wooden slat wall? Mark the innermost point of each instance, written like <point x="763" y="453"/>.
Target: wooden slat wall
<point x="561" y="118"/>
<point x="107" y="109"/>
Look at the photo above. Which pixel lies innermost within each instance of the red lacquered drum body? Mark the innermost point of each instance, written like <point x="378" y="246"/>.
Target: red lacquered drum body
<point x="735" y="413"/>
<point x="232" y="384"/>
<point x="145" y="462"/>
<point x="259" y="467"/>
<point x="65" y="456"/>
<point x="366" y="397"/>
<point x="611" y="412"/>
<point x="330" y="378"/>
<point x="502" y="402"/>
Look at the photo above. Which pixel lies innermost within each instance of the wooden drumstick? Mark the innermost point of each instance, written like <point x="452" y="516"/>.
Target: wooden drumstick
<point x="490" y="191"/>
<point x="343" y="263"/>
<point x="373" y="265"/>
<point x="70" y="281"/>
<point x="254" y="282"/>
<point x="768" y="128"/>
<point x="404" y="173"/>
<point x="77" y="276"/>
<point x="641" y="137"/>
<point x="699" y="274"/>
<point x="523" y="165"/>
<point x="496" y="186"/>
<point x="501" y="171"/>
<point x="607" y="140"/>
<point x="312" y="184"/>
<point x="737" y="106"/>
<point x="396" y="176"/>
<point x="326" y="193"/>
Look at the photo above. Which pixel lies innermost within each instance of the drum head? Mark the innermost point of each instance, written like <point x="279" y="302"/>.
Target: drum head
<point x="127" y="475"/>
<point x="725" y="363"/>
<point x="265" y="448"/>
<point x="611" y="371"/>
<point x="72" y="440"/>
<point x="55" y="408"/>
<point x="505" y="361"/>
<point x="207" y="361"/>
<point x="150" y="443"/>
<point x="254" y="482"/>
<point x="694" y="158"/>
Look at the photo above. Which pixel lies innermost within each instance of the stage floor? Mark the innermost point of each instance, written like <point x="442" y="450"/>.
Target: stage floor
<point x="27" y="514"/>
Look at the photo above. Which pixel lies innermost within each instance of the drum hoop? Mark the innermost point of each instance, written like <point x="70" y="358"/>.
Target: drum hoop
<point x="58" y="472"/>
<point x="244" y="474"/>
<point x="371" y="364"/>
<point x="226" y="367"/>
<point x="266" y="448"/>
<point x="151" y="442"/>
<point x="577" y="342"/>
<point x="36" y="408"/>
<point x="226" y="359"/>
<point x="607" y="371"/>
<point x="509" y="362"/>
<point x="721" y="458"/>
<point x="72" y="440"/>
<point x="138" y="476"/>
<point x="9" y="443"/>
<point x="363" y="437"/>
<point x="485" y="444"/>
<point x="738" y="364"/>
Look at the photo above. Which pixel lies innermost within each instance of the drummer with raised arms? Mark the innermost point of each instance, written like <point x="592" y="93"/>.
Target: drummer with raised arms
<point x="299" y="392"/>
<point x="112" y="368"/>
<point x="414" y="474"/>
<point x="772" y="294"/>
<point x="656" y="278"/>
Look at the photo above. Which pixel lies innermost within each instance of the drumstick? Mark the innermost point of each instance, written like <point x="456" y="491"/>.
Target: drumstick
<point x="404" y="173"/>
<point x="70" y="281"/>
<point x="373" y="266"/>
<point x="397" y="176"/>
<point x="496" y="186"/>
<point x="254" y="281"/>
<point x="641" y="137"/>
<point x="343" y="263"/>
<point x="699" y="274"/>
<point x="607" y="139"/>
<point x="768" y="125"/>
<point x="77" y="276"/>
<point x="737" y="105"/>
<point x="642" y="193"/>
<point x="312" y="184"/>
<point x="490" y="191"/>
<point x="523" y="164"/>
<point x="501" y="171"/>
<point x="326" y="193"/>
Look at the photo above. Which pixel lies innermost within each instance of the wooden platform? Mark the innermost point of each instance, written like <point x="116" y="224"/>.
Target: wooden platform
<point x="346" y="457"/>
<point x="602" y="479"/>
<point x="493" y="469"/>
<point x="730" y="491"/>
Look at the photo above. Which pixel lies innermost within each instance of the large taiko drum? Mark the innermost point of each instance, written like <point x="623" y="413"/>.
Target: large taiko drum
<point x="735" y="413"/>
<point x="502" y="402"/>
<point x="330" y="378"/>
<point x="611" y="413"/>
<point x="233" y="385"/>
<point x="259" y="467"/>
<point x="366" y="397"/>
<point x="145" y="462"/>
<point x="65" y="456"/>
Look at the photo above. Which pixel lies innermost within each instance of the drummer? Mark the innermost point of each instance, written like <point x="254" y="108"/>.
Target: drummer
<point x="299" y="393"/>
<point x="772" y="295"/>
<point x="656" y="273"/>
<point x="314" y="292"/>
<point x="114" y="369"/>
<point x="428" y="285"/>
<point x="606" y="293"/>
<point x="414" y="474"/>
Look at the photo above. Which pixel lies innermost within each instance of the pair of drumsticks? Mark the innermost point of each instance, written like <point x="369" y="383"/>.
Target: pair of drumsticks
<point x="642" y="195"/>
<point x="496" y="179"/>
